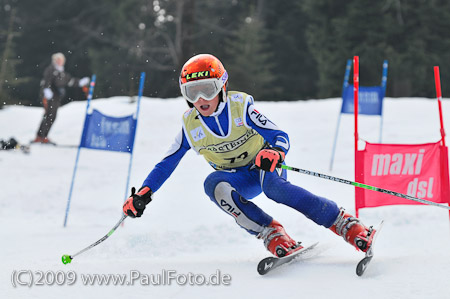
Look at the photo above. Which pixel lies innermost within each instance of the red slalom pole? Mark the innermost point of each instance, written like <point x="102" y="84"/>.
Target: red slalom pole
<point x="355" y="97"/>
<point x="437" y="80"/>
<point x="355" y="112"/>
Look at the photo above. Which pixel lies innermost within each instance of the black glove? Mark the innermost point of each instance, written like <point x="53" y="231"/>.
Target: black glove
<point x="134" y="206"/>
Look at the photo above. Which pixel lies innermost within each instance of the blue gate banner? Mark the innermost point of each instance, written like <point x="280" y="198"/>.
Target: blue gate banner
<point x="370" y="100"/>
<point x="108" y="133"/>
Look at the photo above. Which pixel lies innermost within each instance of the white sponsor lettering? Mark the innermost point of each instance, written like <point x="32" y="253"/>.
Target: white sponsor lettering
<point x="421" y="189"/>
<point x="370" y="97"/>
<point x="397" y="164"/>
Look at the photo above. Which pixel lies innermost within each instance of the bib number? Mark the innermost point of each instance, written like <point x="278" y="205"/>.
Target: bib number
<point x="241" y="157"/>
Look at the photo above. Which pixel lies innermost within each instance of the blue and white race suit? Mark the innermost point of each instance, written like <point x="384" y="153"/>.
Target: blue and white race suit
<point x="232" y="188"/>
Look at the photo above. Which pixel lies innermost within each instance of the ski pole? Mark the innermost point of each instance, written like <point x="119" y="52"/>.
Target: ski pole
<point x="67" y="259"/>
<point x="360" y="185"/>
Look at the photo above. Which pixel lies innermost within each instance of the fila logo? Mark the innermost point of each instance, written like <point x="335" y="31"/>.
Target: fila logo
<point x="226" y="206"/>
<point x="198" y="134"/>
<point x="260" y="120"/>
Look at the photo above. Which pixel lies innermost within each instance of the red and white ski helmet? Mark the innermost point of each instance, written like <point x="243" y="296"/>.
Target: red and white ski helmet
<point x="203" y="76"/>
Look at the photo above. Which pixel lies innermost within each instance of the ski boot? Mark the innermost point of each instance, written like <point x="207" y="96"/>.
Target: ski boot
<point x="353" y="231"/>
<point x="47" y="141"/>
<point x="277" y="241"/>
<point x="43" y="140"/>
<point x="38" y="139"/>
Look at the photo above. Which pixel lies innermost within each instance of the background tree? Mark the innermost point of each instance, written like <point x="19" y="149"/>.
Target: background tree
<point x="252" y="65"/>
<point x="8" y="78"/>
<point x="401" y="31"/>
<point x="276" y="50"/>
<point x="294" y="69"/>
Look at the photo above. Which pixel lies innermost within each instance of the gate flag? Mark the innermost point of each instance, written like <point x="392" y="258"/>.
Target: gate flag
<point x="370" y="100"/>
<point x="412" y="169"/>
<point x="418" y="170"/>
<point x="104" y="132"/>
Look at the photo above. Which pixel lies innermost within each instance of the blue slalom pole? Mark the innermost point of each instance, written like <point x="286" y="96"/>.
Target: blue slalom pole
<point x="384" y="76"/>
<point x="383" y="86"/>
<point x="89" y="98"/>
<point x="141" y="90"/>
<point x="344" y="86"/>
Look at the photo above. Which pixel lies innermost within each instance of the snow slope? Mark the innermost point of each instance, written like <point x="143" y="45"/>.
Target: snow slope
<point x="183" y="231"/>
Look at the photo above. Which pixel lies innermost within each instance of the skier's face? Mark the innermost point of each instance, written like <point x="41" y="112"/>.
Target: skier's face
<point x="60" y="61"/>
<point x="206" y="108"/>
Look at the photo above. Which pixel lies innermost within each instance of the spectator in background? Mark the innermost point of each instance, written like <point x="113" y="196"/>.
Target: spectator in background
<point x="53" y="91"/>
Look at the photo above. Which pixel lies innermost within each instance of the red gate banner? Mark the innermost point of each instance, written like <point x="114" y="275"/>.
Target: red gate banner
<point x="418" y="170"/>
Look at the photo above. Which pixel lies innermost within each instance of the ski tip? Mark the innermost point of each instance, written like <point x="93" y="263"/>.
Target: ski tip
<point x="362" y="265"/>
<point x="269" y="263"/>
<point x="265" y="265"/>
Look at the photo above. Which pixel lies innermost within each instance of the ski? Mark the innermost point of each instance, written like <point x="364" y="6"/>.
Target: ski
<point x="66" y="145"/>
<point x="55" y="144"/>
<point x="43" y="143"/>
<point x="364" y="263"/>
<point x="269" y="263"/>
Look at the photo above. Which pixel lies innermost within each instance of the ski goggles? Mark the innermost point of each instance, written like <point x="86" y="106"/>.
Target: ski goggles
<point x="206" y="89"/>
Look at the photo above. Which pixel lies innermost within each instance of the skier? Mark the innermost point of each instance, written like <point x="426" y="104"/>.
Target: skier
<point x="52" y="91"/>
<point x="244" y="147"/>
